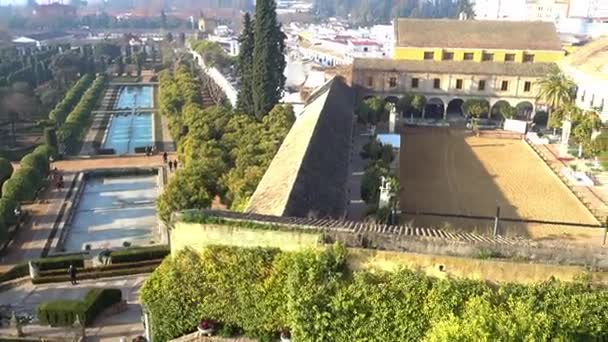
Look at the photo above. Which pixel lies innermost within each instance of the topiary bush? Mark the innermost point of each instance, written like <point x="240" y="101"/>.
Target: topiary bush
<point x="19" y="187"/>
<point x="61" y="313"/>
<point x="50" y="138"/>
<point x="6" y="170"/>
<point x="46" y="150"/>
<point x="38" y="161"/>
<point x="7" y="210"/>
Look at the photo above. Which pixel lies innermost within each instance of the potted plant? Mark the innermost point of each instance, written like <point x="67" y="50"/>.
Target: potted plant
<point x="205" y="327"/>
<point x="285" y="335"/>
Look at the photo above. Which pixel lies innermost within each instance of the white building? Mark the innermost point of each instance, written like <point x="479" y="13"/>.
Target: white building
<point x="588" y="67"/>
<point x="543" y="10"/>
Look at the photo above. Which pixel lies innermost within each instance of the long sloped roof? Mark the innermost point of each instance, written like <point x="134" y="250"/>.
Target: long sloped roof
<point x="476" y="34"/>
<point x="308" y="174"/>
<point x="454" y="67"/>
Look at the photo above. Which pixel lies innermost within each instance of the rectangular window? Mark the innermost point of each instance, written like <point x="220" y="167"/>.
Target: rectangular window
<point x="436" y="83"/>
<point x="527" y="86"/>
<point x="414" y="83"/>
<point x="448" y="56"/>
<point x="370" y="81"/>
<point x="458" y="84"/>
<point x="482" y="85"/>
<point x="528" y="58"/>
<point x="392" y="82"/>
<point x="510" y="57"/>
<point x="487" y="57"/>
<point x="504" y="86"/>
<point x="429" y="55"/>
<point x="468" y="56"/>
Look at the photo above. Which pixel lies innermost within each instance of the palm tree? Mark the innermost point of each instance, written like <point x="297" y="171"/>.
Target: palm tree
<point x="556" y="90"/>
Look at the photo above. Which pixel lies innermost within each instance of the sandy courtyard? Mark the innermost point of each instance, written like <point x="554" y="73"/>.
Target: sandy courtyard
<point x="449" y="171"/>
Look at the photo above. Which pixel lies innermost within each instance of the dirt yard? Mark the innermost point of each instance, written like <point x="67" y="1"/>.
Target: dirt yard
<point x="449" y="171"/>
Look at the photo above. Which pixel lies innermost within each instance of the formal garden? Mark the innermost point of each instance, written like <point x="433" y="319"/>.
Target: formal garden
<point x="313" y="295"/>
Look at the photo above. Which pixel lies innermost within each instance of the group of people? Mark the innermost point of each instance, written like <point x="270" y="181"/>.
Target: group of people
<point x="57" y="178"/>
<point x="172" y="163"/>
<point x="150" y="150"/>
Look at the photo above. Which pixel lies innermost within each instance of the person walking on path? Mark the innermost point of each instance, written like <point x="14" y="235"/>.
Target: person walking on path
<point x="165" y="156"/>
<point x="175" y="164"/>
<point x="170" y="166"/>
<point x="72" y="272"/>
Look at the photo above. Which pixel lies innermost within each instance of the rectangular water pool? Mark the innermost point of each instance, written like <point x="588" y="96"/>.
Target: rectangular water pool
<point x="115" y="209"/>
<point x="139" y="97"/>
<point x="128" y="131"/>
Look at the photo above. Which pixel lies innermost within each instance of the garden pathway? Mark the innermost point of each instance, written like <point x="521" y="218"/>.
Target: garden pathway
<point x="25" y="298"/>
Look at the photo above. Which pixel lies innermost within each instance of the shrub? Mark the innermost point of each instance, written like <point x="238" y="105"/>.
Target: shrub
<point x="317" y="298"/>
<point x="64" y="312"/>
<point x="140" y="254"/>
<point x="6" y="170"/>
<point x="50" y="138"/>
<point x="7" y="210"/>
<point x="46" y="150"/>
<point x="105" y="272"/>
<point x="38" y="161"/>
<point x="60" y="313"/>
<point x="19" y="187"/>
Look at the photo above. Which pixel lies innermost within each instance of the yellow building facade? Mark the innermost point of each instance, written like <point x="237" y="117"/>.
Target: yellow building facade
<point x="476" y="55"/>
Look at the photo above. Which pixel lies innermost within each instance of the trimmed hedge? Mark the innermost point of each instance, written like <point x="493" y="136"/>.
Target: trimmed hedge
<point x="139" y="254"/>
<point x="46" y="150"/>
<point x="19" y="187"/>
<point x="61" y="262"/>
<point x="7" y="210"/>
<point x="6" y="170"/>
<point x="38" y="161"/>
<point x="63" y="108"/>
<point x="18" y="271"/>
<point x="97" y="273"/>
<point x="83" y="272"/>
<point x="61" y="313"/>
<point x="73" y="127"/>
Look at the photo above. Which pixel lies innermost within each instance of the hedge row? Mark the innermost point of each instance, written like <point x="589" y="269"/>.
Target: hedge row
<point x="135" y="254"/>
<point x="64" y="312"/>
<point x="71" y="131"/>
<point x="22" y="185"/>
<point x="6" y="170"/>
<point x="315" y="296"/>
<point x="98" y="273"/>
<point x="63" y="108"/>
<point x="83" y="272"/>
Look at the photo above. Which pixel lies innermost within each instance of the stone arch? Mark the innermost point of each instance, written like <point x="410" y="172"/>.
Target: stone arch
<point x="392" y="99"/>
<point x="524" y="111"/>
<point x="455" y="107"/>
<point x="494" y="110"/>
<point x="434" y="108"/>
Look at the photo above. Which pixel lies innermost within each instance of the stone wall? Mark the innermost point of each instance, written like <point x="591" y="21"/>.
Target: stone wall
<point x="435" y="257"/>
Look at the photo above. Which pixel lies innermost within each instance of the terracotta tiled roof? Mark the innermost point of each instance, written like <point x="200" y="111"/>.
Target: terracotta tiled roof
<point x="476" y="34"/>
<point x="454" y="67"/>
<point x="309" y="172"/>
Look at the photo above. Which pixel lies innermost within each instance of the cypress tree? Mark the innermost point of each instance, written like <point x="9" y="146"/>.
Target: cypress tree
<point x="268" y="58"/>
<point x="245" y="67"/>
